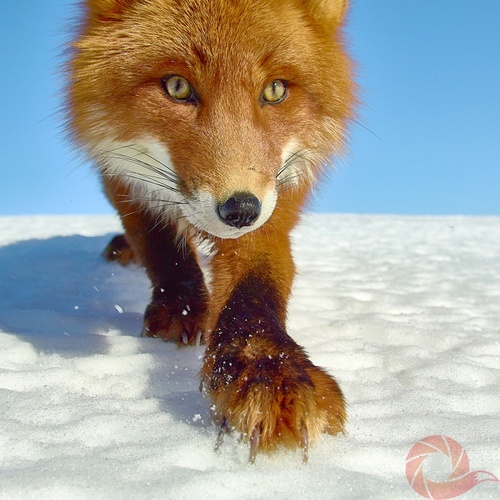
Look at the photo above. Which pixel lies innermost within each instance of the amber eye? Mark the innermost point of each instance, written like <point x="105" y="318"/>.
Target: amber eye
<point x="274" y="92"/>
<point x="178" y="88"/>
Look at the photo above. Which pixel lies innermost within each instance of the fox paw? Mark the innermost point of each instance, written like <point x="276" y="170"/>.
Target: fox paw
<point x="181" y="327"/>
<point x="274" y="401"/>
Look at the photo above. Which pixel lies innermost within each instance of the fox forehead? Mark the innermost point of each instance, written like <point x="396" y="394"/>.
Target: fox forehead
<point x="221" y="37"/>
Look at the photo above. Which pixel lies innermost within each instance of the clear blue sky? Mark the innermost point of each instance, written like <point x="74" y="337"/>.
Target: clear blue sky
<point x="428" y="143"/>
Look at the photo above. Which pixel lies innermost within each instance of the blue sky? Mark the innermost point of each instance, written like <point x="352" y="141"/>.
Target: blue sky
<point x="427" y="142"/>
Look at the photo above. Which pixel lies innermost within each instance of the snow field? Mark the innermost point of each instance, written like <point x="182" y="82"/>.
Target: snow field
<point x="403" y="311"/>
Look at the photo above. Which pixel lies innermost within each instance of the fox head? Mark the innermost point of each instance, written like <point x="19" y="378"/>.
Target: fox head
<point x="212" y="111"/>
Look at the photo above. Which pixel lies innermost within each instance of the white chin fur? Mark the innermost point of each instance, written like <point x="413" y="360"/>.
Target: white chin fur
<point x="201" y="211"/>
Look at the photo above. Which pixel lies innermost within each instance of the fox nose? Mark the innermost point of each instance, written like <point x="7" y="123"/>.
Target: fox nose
<point x="241" y="210"/>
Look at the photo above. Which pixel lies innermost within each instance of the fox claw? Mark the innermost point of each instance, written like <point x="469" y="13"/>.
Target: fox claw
<point x="304" y="444"/>
<point x="254" y="444"/>
<point x="254" y="440"/>
<point x="222" y="432"/>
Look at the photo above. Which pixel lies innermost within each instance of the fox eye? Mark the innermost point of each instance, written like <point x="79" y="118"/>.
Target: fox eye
<point x="177" y="88"/>
<point x="275" y="92"/>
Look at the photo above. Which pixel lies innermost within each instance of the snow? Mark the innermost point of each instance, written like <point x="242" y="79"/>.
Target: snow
<point x="403" y="311"/>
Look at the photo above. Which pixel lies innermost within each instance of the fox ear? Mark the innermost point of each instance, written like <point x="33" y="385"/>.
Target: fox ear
<point x="108" y="9"/>
<point x="328" y="12"/>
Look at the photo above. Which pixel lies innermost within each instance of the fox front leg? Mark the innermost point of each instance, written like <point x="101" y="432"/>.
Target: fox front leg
<point x="179" y="296"/>
<point x="261" y="381"/>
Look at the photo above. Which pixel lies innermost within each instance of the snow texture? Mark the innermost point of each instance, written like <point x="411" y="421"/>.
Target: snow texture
<point x="403" y="311"/>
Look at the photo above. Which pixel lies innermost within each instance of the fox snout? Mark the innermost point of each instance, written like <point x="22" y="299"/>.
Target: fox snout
<point x="226" y="204"/>
<point x="240" y="210"/>
<point x="237" y="214"/>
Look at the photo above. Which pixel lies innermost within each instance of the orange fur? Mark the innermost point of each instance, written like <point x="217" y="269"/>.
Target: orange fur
<point x="170" y="166"/>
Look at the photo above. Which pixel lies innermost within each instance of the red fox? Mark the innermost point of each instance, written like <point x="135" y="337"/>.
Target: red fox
<point x="213" y="120"/>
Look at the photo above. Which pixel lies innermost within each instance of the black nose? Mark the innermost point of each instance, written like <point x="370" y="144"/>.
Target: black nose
<point x="241" y="210"/>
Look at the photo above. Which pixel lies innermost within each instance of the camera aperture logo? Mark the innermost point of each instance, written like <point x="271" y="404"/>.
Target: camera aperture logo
<point x="460" y="480"/>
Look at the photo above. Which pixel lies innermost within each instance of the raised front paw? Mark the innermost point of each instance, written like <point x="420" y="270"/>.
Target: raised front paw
<point x="273" y="395"/>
